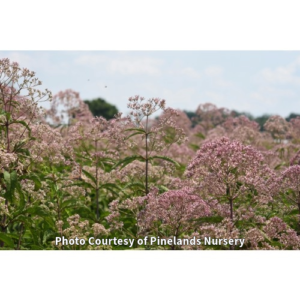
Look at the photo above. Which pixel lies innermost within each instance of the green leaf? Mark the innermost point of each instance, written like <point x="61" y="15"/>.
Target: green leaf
<point x="13" y="236"/>
<point x="83" y="156"/>
<point x="36" y="247"/>
<point x="194" y="147"/>
<point x="279" y="166"/>
<point x="21" y="150"/>
<point x="18" y="146"/>
<point x="7" y="180"/>
<point x="136" y="129"/>
<point x="138" y="184"/>
<point x="200" y="135"/>
<point x="22" y="123"/>
<point x="21" y="197"/>
<point x="165" y="158"/>
<point x="8" y="116"/>
<point x="70" y="203"/>
<point x="7" y="240"/>
<point x="132" y="185"/>
<point x="83" y="184"/>
<point x="47" y="234"/>
<point x="36" y="211"/>
<point x="35" y="237"/>
<point x="163" y="188"/>
<point x="133" y="134"/>
<point x="10" y="180"/>
<point x="50" y="222"/>
<point x="123" y="163"/>
<point x="110" y="185"/>
<point x="89" y="175"/>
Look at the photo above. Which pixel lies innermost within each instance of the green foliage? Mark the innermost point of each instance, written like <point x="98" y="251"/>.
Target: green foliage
<point x="100" y="108"/>
<point x="192" y="116"/>
<point x="292" y="116"/>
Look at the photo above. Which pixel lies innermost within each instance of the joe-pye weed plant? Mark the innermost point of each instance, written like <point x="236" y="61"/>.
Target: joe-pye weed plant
<point x="69" y="174"/>
<point x="147" y="138"/>
<point x="19" y="110"/>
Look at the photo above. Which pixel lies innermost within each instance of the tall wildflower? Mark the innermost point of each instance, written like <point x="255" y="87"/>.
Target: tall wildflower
<point x="209" y="115"/>
<point x="278" y="127"/>
<point x="172" y="213"/>
<point x="229" y="171"/>
<point x="243" y="130"/>
<point x="290" y="187"/>
<point x="149" y="138"/>
<point x="67" y="107"/>
<point x="19" y="110"/>
<point x="295" y="130"/>
<point x="97" y="145"/>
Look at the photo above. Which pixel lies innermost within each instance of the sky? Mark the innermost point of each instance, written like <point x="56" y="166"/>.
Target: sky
<point x="257" y="82"/>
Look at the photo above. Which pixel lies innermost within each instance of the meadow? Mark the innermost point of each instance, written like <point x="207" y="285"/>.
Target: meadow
<point x="153" y="173"/>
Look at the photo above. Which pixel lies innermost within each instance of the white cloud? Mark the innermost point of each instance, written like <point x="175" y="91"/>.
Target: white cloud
<point x="213" y="71"/>
<point x="283" y="74"/>
<point x="184" y="98"/>
<point x="38" y="62"/>
<point x="148" y="66"/>
<point x="90" y="60"/>
<point x="124" y="66"/>
<point x="215" y="75"/>
<point x="277" y="89"/>
<point x="272" y="95"/>
<point x="263" y="98"/>
<point x="214" y="97"/>
<point x="192" y="73"/>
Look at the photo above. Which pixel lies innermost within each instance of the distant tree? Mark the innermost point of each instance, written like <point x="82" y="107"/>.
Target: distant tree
<point x="235" y="113"/>
<point x="100" y="108"/>
<point x="192" y="116"/>
<point x="292" y="116"/>
<point x="262" y="120"/>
